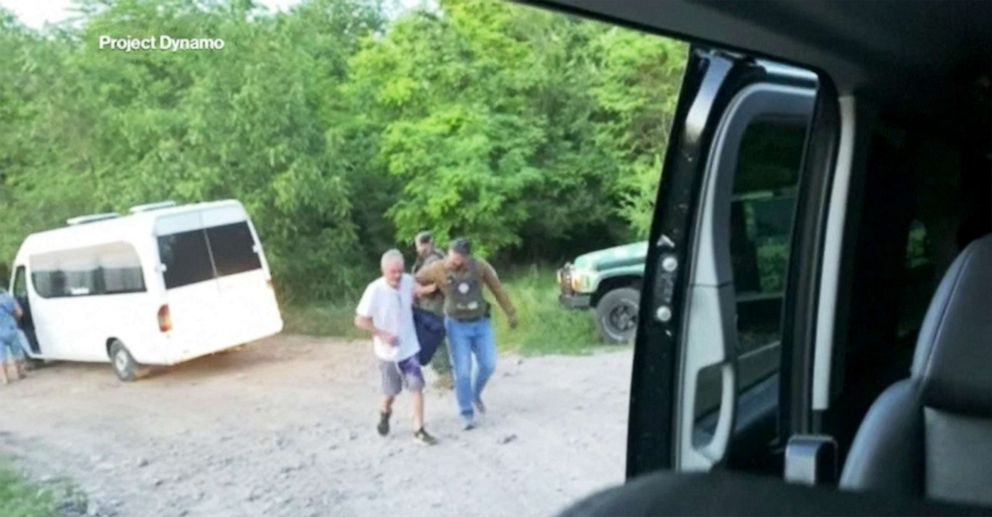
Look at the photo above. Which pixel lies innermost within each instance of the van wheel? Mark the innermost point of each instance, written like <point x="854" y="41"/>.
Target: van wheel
<point x="616" y="315"/>
<point x="124" y="365"/>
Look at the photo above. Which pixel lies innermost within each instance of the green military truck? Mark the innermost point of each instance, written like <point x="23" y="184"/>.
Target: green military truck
<point x="608" y="281"/>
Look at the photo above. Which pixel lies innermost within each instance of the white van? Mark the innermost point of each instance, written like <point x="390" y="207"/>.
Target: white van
<point x="159" y="286"/>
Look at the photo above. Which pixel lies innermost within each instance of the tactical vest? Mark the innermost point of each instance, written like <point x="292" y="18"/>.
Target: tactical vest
<point x="464" y="300"/>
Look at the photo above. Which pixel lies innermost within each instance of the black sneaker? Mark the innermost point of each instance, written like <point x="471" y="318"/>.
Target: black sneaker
<point x="383" y="426"/>
<point x="421" y="436"/>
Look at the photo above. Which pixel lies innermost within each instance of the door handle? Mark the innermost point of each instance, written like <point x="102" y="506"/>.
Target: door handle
<point x="712" y="340"/>
<point x="717" y="448"/>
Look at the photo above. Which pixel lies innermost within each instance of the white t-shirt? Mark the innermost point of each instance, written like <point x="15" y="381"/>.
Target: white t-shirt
<point x="391" y="310"/>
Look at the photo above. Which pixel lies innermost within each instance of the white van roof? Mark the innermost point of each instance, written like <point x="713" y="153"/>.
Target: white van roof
<point x="139" y="224"/>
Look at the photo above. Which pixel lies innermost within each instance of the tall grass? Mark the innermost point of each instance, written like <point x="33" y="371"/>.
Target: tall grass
<point x="544" y="327"/>
<point x="323" y="319"/>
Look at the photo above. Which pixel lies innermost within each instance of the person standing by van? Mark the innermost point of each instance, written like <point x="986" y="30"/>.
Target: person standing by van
<point x="10" y="346"/>
<point x="461" y="277"/>
<point x="386" y="311"/>
<point x="433" y="303"/>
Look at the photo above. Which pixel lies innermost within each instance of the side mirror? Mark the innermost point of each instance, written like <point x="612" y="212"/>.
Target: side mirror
<point x="811" y="460"/>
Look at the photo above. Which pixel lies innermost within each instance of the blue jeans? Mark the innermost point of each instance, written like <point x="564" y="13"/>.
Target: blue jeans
<point x="464" y="340"/>
<point x="10" y="346"/>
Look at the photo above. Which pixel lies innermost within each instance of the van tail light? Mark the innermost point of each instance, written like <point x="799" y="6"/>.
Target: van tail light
<point x="164" y="319"/>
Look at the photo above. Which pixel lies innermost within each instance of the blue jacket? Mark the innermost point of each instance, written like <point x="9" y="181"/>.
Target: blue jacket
<point x="430" y="333"/>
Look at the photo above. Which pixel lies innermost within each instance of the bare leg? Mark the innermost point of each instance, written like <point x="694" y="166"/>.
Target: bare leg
<point x="387" y="404"/>
<point x="418" y="410"/>
<point x="419" y="433"/>
<point x="385" y="410"/>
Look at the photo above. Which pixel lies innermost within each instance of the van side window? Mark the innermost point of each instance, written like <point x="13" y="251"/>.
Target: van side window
<point x="186" y="258"/>
<point x="233" y="248"/>
<point x="93" y="270"/>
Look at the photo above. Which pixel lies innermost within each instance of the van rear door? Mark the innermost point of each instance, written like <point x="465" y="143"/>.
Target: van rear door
<point x="248" y="309"/>
<point x="192" y="294"/>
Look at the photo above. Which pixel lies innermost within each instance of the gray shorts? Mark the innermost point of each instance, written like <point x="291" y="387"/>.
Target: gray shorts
<point x="399" y="375"/>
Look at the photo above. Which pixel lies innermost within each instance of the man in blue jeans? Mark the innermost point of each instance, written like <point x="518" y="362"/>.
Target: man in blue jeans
<point x="460" y="277"/>
<point x="10" y="347"/>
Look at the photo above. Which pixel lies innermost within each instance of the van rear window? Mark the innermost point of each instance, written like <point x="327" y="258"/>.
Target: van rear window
<point x="94" y="270"/>
<point x="204" y="254"/>
<point x="186" y="258"/>
<point x="233" y="248"/>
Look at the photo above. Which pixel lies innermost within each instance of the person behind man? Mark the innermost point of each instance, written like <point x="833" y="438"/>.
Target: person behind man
<point x="461" y="277"/>
<point x="386" y="310"/>
<point x="428" y="254"/>
<point x="10" y="346"/>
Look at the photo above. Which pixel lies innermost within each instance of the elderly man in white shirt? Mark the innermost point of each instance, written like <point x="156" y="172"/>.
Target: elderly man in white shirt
<point x="386" y="310"/>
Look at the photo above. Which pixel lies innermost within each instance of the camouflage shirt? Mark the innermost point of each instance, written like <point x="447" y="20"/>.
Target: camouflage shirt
<point x="433" y="302"/>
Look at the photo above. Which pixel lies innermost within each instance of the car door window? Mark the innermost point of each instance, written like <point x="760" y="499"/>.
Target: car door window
<point x="762" y="214"/>
<point x="761" y="225"/>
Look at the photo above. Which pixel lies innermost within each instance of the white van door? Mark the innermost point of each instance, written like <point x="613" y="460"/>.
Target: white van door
<point x="191" y="289"/>
<point x="247" y="309"/>
<point x="86" y="296"/>
<point x="63" y="323"/>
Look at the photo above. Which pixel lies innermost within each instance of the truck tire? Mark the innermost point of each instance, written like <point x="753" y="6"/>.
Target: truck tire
<point x="616" y="315"/>
<point x="124" y="365"/>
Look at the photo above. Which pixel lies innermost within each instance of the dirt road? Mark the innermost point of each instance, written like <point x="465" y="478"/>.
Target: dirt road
<point x="286" y="427"/>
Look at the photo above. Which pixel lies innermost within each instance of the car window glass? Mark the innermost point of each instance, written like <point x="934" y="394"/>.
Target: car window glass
<point x="233" y="249"/>
<point x="113" y="268"/>
<point x="919" y="281"/>
<point x="186" y="258"/>
<point x="762" y="216"/>
<point x="761" y="219"/>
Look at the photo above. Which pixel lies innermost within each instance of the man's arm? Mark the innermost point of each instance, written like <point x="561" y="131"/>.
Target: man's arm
<point x="365" y="323"/>
<point x="429" y="273"/>
<point x="490" y="279"/>
<point x="363" y="317"/>
<point x="18" y="313"/>
<point x="420" y="290"/>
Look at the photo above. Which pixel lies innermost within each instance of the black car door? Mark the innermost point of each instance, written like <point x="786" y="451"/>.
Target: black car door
<point x="721" y="371"/>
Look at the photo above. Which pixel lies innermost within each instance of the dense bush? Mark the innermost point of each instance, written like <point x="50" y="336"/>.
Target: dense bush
<point x="343" y="129"/>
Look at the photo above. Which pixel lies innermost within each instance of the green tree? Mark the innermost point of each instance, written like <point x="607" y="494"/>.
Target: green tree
<point x="343" y="126"/>
<point x="637" y="90"/>
<point x="488" y="121"/>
